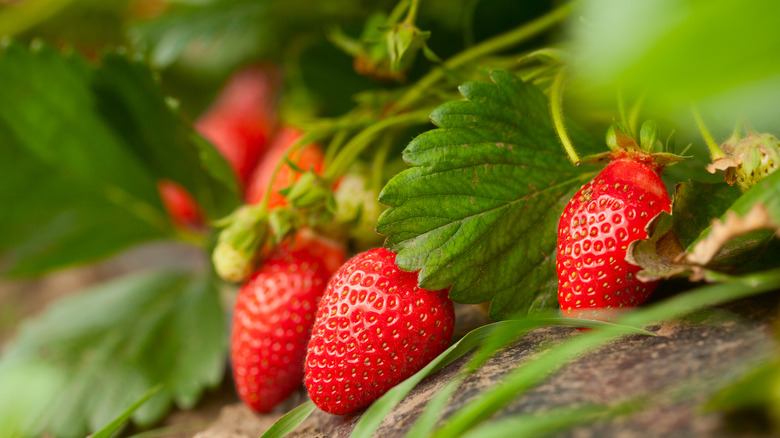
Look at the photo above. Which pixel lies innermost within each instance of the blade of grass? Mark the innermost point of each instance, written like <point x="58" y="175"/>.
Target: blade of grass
<point x="534" y="371"/>
<point x="548" y="423"/>
<point x="373" y="417"/>
<point x="289" y="421"/>
<point x="112" y="427"/>
<point x="427" y="421"/>
<point x="503" y="336"/>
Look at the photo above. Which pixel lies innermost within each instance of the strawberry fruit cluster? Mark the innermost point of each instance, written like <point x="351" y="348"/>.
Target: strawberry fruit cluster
<point x="350" y="331"/>
<point x="374" y="326"/>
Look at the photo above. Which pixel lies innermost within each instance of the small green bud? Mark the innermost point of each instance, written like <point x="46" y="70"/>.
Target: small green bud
<point x="404" y="41"/>
<point x="309" y="191"/>
<point x="230" y="264"/>
<point x="238" y="246"/>
<point x="357" y="206"/>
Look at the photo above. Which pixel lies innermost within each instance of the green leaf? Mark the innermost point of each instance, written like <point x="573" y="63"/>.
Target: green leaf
<point x="696" y="204"/>
<point x="534" y="371"/>
<point x="765" y="193"/>
<point x="479" y="209"/>
<point x="82" y="155"/>
<point x="225" y="33"/>
<point x="290" y="421"/>
<point x="757" y="388"/>
<point x="675" y="52"/>
<point x="100" y="351"/>
<point x="132" y="103"/>
<point x="227" y="29"/>
<point x="114" y="426"/>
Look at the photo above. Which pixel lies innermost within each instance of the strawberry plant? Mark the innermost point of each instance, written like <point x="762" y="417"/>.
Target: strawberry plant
<point x="186" y="153"/>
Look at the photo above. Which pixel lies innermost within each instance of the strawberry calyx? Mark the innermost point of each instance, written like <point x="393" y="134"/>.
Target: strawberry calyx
<point x="623" y="146"/>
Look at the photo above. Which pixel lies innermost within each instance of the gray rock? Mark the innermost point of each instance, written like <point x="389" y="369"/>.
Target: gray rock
<point x="676" y="371"/>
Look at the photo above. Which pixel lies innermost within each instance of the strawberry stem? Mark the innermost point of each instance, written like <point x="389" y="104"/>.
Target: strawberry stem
<point x="495" y="44"/>
<point x="303" y="140"/>
<point x="633" y="114"/>
<point x="556" y="109"/>
<point x="378" y="165"/>
<point x="361" y="140"/>
<point x="715" y="150"/>
<point x="624" y="118"/>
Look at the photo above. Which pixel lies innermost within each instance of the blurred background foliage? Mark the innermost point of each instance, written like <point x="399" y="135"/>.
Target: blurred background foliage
<point x="151" y="66"/>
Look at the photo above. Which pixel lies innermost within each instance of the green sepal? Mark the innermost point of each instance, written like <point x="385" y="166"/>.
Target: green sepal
<point x="648" y="135"/>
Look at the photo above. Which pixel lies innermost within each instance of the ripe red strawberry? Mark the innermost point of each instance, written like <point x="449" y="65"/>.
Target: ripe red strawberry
<point x="272" y="320"/>
<point x="180" y="205"/>
<point x="308" y="158"/>
<point x="375" y="327"/>
<point x="597" y="225"/>
<point x="243" y="118"/>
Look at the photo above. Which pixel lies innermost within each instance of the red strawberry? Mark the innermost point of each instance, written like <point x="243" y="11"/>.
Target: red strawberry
<point x="375" y="327"/>
<point x="272" y="320"/>
<point x="243" y="118"/>
<point x="308" y="158"/>
<point x="180" y="205"/>
<point x="597" y="226"/>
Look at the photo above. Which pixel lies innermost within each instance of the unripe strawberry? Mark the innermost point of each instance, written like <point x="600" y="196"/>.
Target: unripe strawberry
<point x="597" y="225"/>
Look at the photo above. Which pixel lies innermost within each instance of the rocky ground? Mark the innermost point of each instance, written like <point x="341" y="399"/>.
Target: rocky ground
<point x="676" y="370"/>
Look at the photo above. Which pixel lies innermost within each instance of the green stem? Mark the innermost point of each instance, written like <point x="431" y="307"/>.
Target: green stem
<point x="395" y="15"/>
<point x="633" y="114"/>
<point x="411" y="17"/>
<point x="556" y="109"/>
<point x="335" y="145"/>
<point x="359" y="142"/>
<point x="378" y="165"/>
<point x="715" y="150"/>
<point x="624" y="115"/>
<point x="495" y="44"/>
<point x="304" y="140"/>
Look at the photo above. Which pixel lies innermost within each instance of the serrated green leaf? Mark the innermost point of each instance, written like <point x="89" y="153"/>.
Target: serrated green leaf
<point x="102" y="350"/>
<point x="479" y="209"/>
<point x="82" y="155"/>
